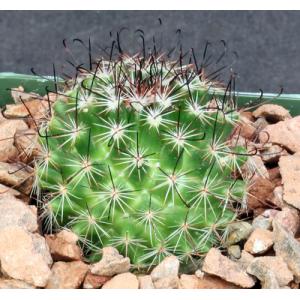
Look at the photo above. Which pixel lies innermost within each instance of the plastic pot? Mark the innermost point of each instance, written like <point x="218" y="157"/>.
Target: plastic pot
<point x="39" y="85"/>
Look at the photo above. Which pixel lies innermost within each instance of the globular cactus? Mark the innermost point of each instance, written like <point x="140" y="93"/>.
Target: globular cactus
<point x="136" y="156"/>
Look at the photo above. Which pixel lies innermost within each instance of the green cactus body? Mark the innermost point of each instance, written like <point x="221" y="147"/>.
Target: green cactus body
<point x="135" y="155"/>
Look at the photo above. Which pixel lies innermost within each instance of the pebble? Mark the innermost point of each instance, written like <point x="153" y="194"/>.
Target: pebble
<point x="285" y="134"/>
<point x="168" y="267"/>
<point x="217" y="264"/>
<point x="63" y="246"/>
<point x="92" y="281"/>
<point x="8" y="129"/>
<point x="14" y="284"/>
<point x="268" y="268"/>
<point x="290" y="172"/>
<point x="238" y="231"/>
<point x="14" y="212"/>
<point x="67" y="275"/>
<point x="24" y="256"/>
<point x="112" y="263"/>
<point x="122" y="281"/>
<point x="272" y="113"/>
<point x="145" y="282"/>
<point x="287" y="247"/>
<point x="259" y="242"/>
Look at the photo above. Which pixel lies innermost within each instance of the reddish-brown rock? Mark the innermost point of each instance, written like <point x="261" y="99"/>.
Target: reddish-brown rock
<point x="33" y="108"/>
<point x="24" y="256"/>
<point x="16" y="176"/>
<point x="214" y="282"/>
<point x="254" y="165"/>
<point x="122" y="281"/>
<point x="145" y="282"/>
<point x="8" y="129"/>
<point x="111" y="263"/>
<point x="259" y="242"/>
<point x="188" y="281"/>
<point x="14" y="284"/>
<point x="168" y="267"/>
<point x="245" y="260"/>
<point x="92" y="281"/>
<point x="290" y="172"/>
<point x="287" y="247"/>
<point x="267" y="268"/>
<point x="169" y="282"/>
<point x="289" y="218"/>
<point x="277" y="198"/>
<point x="271" y="153"/>
<point x="246" y="128"/>
<point x="14" y="212"/>
<point x="7" y="191"/>
<point x="260" y="191"/>
<point x="219" y="265"/>
<point x="272" y="113"/>
<point x="285" y="134"/>
<point x="67" y="275"/>
<point x="63" y="246"/>
<point x="26" y="143"/>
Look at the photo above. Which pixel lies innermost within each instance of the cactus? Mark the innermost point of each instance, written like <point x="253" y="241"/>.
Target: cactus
<point x="136" y="155"/>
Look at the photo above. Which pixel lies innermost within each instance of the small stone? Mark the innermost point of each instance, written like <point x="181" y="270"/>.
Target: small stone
<point x="33" y="108"/>
<point x="246" y="128"/>
<point x="67" y="275"/>
<point x="234" y="251"/>
<point x="169" y="282"/>
<point x="26" y="141"/>
<point x="19" y="93"/>
<point x="14" y="212"/>
<point x="214" y="282"/>
<point x="217" y="264"/>
<point x="188" y="281"/>
<point x="168" y="267"/>
<point x="8" y="129"/>
<point x="199" y="274"/>
<point x="259" y="192"/>
<point x="92" y="281"/>
<point x="272" y="113"/>
<point x="254" y="165"/>
<point x="271" y="153"/>
<point x="122" y="281"/>
<point x="287" y="247"/>
<point x="145" y="282"/>
<point x="238" y="231"/>
<point x="270" y="213"/>
<point x="17" y="176"/>
<point x="24" y="256"/>
<point x="290" y="172"/>
<point x="68" y="236"/>
<point x="259" y="242"/>
<point x="260" y="124"/>
<point x="294" y="285"/>
<point x="63" y="246"/>
<point x="245" y="260"/>
<point x="268" y="268"/>
<point x="262" y="223"/>
<point x="7" y="191"/>
<point x="14" y="284"/>
<point x="285" y="134"/>
<point x="277" y="198"/>
<point x="274" y="174"/>
<point x="111" y="263"/>
<point x="289" y="218"/>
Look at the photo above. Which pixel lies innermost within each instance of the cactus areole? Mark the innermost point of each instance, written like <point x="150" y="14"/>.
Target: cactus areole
<point x="136" y="155"/>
